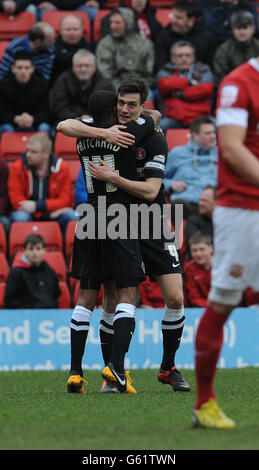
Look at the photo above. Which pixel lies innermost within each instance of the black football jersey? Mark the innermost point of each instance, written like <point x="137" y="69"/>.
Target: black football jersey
<point x="121" y="160"/>
<point x="151" y="156"/>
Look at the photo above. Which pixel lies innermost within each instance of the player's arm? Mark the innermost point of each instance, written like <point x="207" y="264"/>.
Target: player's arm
<point x="147" y="190"/>
<point x="236" y="154"/>
<point x="113" y="135"/>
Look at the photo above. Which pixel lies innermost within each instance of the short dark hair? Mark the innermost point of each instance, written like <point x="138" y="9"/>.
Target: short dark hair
<point x="198" y="122"/>
<point x="36" y="32"/>
<point x="213" y="189"/>
<point x="189" y="8"/>
<point x="134" y="85"/>
<point x="34" y="239"/>
<point x="101" y="105"/>
<point x="23" y="55"/>
<point x="241" y="18"/>
<point x="200" y="237"/>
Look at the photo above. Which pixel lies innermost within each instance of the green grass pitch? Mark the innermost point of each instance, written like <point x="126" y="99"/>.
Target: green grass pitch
<point x="36" y="413"/>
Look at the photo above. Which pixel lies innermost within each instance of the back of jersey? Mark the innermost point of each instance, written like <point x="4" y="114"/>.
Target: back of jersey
<point x="121" y="160"/>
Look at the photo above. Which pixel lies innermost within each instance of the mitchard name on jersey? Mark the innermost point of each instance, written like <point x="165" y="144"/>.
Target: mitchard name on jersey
<point x="90" y="143"/>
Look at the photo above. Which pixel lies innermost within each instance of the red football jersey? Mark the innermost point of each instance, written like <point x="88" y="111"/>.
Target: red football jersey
<point x="238" y="104"/>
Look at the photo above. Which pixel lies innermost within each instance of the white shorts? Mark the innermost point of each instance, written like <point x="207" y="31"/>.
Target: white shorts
<point x="235" y="263"/>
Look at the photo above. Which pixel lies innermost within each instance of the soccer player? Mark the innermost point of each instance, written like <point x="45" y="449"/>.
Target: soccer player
<point x="101" y="257"/>
<point x="159" y="256"/>
<point x="236" y="230"/>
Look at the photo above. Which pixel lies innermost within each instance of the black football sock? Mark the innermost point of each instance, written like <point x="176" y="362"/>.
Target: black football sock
<point x="106" y="336"/>
<point x="78" y="334"/>
<point x="172" y="328"/>
<point x="124" y="325"/>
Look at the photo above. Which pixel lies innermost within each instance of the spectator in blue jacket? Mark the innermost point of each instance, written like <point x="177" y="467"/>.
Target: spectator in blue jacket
<point x="192" y="167"/>
<point x="217" y="14"/>
<point x="80" y="189"/>
<point x="39" y="43"/>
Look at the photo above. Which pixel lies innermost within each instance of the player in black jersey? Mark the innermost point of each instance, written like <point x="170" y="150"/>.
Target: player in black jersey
<point x="99" y="259"/>
<point x="160" y="263"/>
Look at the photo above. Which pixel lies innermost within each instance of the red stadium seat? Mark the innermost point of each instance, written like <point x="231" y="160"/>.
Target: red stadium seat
<point x="163" y="16"/>
<point x="64" y="300"/>
<point x="97" y="23"/>
<point x="69" y="237"/>
<point x="74" y="167"/>
<point x="54" y="17"/>
<point x="2" y="292"/>
<point x="2" y="239"/>
<point x="14" y="26"/>
<point x="3" y="46"/>
<point x="176" y="137"/>
<point x="111" y="3"/>
<point x="13" y="144"/>
<point x="65" y="147"/>
<point x="50" y="231"/>
<point x="4" y="268"/>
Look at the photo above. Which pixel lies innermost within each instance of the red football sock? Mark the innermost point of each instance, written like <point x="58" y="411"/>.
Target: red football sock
<point x="208" y="344"/>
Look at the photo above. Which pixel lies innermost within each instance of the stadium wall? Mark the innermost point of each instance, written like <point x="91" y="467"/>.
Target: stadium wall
<point x="40" y="340"/>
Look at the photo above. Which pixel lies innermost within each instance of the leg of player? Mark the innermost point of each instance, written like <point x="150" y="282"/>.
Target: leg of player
<point x="80" y="322"/>
<point x="172" y="328"/>
<point x="208" y="344"/>
<point x="124" y="325"/>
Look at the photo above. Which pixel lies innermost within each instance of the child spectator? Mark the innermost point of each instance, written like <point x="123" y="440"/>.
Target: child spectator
<point x="32" y="283"/>
<point x="197" y="272"/>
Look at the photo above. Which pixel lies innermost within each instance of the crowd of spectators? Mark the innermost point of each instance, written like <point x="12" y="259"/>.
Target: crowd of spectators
<point x="47" y="77"/>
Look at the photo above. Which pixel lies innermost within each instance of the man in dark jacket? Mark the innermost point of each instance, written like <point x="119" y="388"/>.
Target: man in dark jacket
<point x="184" y="25"/>
<point x="73" y="88"/>
<point x="68" y="42"/>
<point x="24" y="98"/>
<point x="32" y="283"/>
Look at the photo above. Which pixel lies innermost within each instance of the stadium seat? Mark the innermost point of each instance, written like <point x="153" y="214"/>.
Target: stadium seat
<point x="54" y="17"/>
<point x="2" y="239"/>
<point x="163" y="16"/>
<point x="54" y="258"/>
<point x="74" y="167"/>
<point x="3" y="46"/>
<point x="14" y="26"/>
<point x="50" y="231"/>
<point x="4" y="268"/>
<point x="97" y="23"/>
<point x="149" y="104"/>
<point x="2" y="292"/>
<point x="13" y="144"/>
<point x="64" y="300"/>
<point x="176" y="137"/>
<point x="69" y="237"/>
<point x="65" y="147"/>
<point x="111" y="3"/>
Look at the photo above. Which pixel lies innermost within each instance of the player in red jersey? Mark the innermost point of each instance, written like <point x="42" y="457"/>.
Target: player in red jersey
<point x="236" y="230"/>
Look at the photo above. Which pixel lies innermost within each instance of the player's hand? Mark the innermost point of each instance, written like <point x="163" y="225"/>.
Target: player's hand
<point x="102" y="172"/>
<point x="115" y="135"/>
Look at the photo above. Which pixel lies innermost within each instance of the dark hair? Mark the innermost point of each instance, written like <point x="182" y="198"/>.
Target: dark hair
<point x="134" y="85"/>
<point x="189" y="8"/>
<point x="102" y="105"/>
<point x="34" y="239"/>
<point x="23" y="55"/>
<point x="241" y="18"/>
<point x="200" y="237"/>
<point x="213" y="189"/>
<point x="36" y="32"/>
<point x="197" y="123"/>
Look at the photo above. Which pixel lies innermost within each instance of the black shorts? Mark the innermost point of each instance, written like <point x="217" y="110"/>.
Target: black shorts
<point x="159" y="257"/>
<point x="99" y="260"/>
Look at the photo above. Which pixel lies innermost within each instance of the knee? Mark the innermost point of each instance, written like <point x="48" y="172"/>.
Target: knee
<point x="175" y="300"/>
<point x="109" y="304"/>
<point x="20" y="216"/>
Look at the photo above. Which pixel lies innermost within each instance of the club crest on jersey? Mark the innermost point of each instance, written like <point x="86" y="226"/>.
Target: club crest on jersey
<point x="236" y="270"/>
<point x="141" y="153"/>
